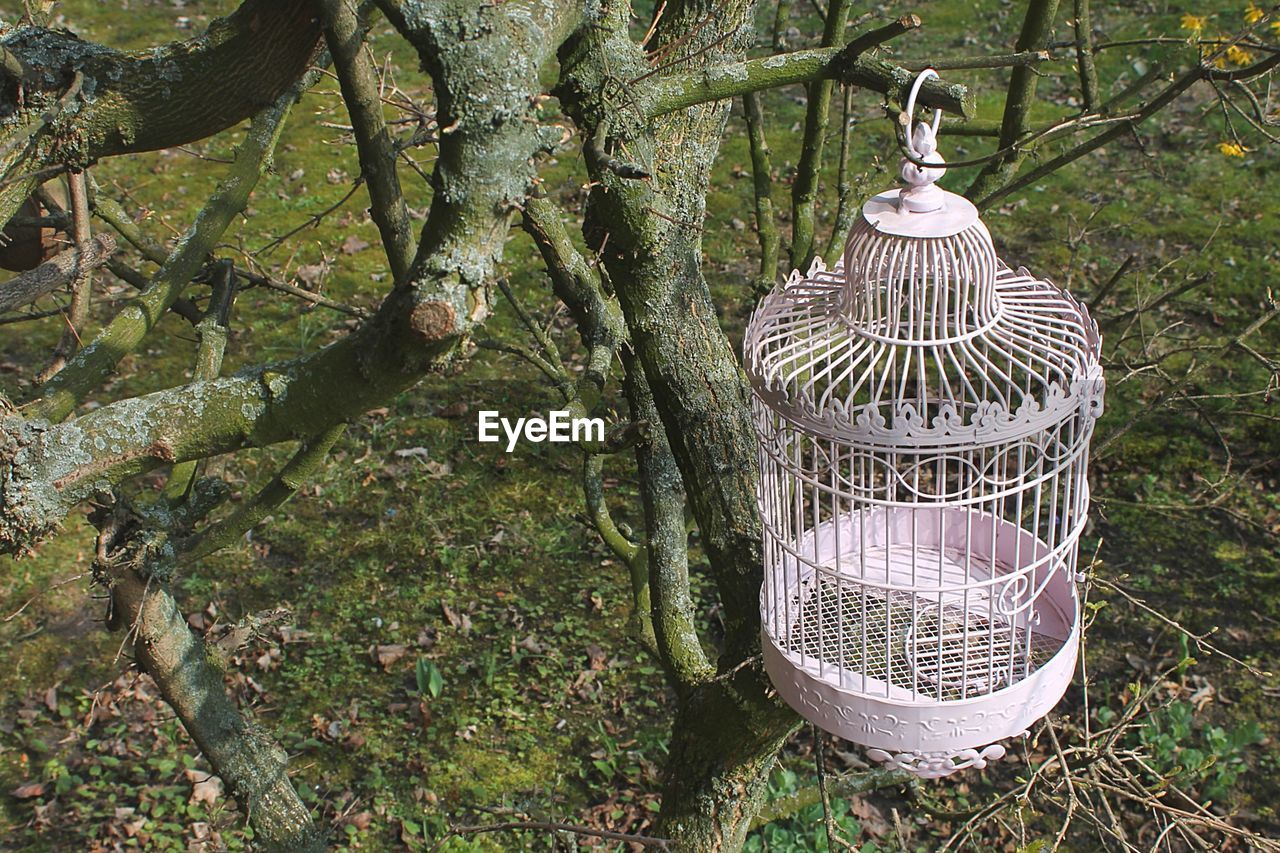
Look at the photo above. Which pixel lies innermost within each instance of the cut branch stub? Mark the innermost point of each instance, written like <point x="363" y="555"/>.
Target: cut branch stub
<point x="433" y="321"/>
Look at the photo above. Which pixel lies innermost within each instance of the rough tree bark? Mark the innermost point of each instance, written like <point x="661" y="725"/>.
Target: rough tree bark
<point x="728" y="728"/>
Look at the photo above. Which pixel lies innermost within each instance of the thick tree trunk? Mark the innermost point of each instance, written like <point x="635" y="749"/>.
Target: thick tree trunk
<point x="725" y="740"/>
<point x="729" y="727"/>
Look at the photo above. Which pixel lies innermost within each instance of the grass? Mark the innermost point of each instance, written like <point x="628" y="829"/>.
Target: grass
<point x="464" y="561"/>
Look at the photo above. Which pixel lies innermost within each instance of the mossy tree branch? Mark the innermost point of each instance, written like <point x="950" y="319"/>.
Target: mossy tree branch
<point x="59" y="271"/>
<point x="728" y="727"/>
<point x="211" y="332"/>
<point x="295" y="474"/>
<point x="578" y="285"/>
<point x="662" y="493"/>
<point x="245" y="757"/>
<point x="112" y="213"/>
<point x="802" y="66"/>
<point x="601" y="330"/>
<point x="47" y="468"/>
<point x="843" y="786"/>
<point x="77" y="314"/>
<point x="762" y="185"/>
<point x="659" y="567"/>
<point x="1037" y="27"/>
<point x="1082" y="21"/>
<point x="126" y="331"/>
<point x="147" y="100"/>
<point x="804" y="189"/>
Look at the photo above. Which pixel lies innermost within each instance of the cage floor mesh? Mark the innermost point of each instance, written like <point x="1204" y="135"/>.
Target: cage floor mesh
<point x="940" y="650"/>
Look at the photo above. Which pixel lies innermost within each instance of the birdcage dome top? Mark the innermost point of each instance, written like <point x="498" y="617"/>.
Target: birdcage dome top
<point x="920" y="335"/>
<point x="825" y="372"/>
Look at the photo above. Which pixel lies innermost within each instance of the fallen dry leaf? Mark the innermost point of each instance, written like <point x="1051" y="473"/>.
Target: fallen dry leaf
<point x="453" y="410"/>
<point x="311" y="274"/>
<point x="205" y="787"/>
<point x="29" y="790"/>
<point x="387" y="655"/>
<point x="354" y="244"/>
<point x="870" y="816"/>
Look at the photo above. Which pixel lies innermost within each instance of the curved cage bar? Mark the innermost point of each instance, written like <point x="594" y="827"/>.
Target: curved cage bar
<point x="954" y="298"/>
<point x="924" y="414"/>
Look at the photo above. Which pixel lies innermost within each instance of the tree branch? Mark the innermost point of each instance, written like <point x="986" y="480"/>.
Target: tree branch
<point x="296" y="473"/>
<point x="1084" y="55"/>
<point x="752" y="75"/>
<point x="151" y="99"/>
<point x="762" y="185"/>
<point x="1175" y="88"/>
<point x="659" y="569"/>
<point x="1036" y="29"/>
<point x="846" y="785"/>
<point x="212" y="332"/>
<point x="113" y="213"/>
<point x="804" y="188"/>
<point x="846" y="204"/>
<point x="344" y="34"/>
<point x="178" y="92"/>
<point x="578" y="286"/>
<point x="245" y="757"/>
<point x="58" y="271"/>
<point x="961" y="63"/>
<point x="82" y="285"/>
<point x="45" y="469"/>
<point x="127" y="329"/>
<point x="666" y="543"/>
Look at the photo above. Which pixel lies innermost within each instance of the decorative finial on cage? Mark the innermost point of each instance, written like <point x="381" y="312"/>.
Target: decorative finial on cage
<point x="921" y="195"/>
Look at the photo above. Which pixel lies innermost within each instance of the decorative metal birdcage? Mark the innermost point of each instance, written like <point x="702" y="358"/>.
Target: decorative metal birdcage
<point x="924" y="414"/>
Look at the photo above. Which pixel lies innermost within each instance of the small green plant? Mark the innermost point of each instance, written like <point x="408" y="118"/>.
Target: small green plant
<point x="1210" y="759"/>
<point x="806" y="829"/>
<point x="429" y="679"/>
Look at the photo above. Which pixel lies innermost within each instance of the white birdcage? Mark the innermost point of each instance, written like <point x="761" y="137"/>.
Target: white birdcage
<point x="924" y="415"/>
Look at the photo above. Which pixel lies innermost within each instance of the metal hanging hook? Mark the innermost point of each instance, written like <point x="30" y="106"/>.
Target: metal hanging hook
<point x="921" y="195"/>
<point x="911" y="112"/>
